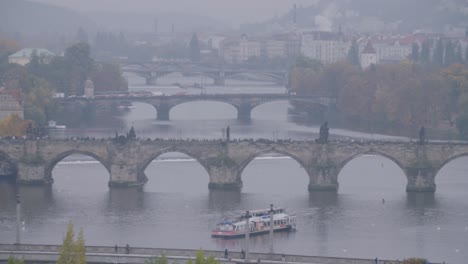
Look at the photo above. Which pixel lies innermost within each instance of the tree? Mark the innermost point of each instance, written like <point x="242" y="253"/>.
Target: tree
<point x="79" y="65"/>
<point x="72" y="252"/>
<point x="425" y="55"/>
<point x="67" y="250"/>
<point x="108" y="77"/>
<point x="439" y="53"/>
<point x="449" y="53"/>
<point x="194" y="49"/>
<point x="415" y="52"/>
<point x="353" y="54"/>
<point x="13" y="260"/>
<point x="80" y="249"/>
<point x="458" y="54"/>
<point x="13" y="126"/>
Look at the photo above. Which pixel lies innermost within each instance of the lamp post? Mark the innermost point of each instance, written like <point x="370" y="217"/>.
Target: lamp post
<point x="18" y="220"/>
<point x="271" y="228"/>
<point x="247" y="231"/>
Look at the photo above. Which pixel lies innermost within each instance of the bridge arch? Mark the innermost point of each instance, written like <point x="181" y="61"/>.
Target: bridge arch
<point x="447" y="161"/>
<point x="343" y="163"/>
<point x="50" y="165"/>
<point x="221" y="102"/>
<point x="250" y="158"/>
<point x="146" y="162"/>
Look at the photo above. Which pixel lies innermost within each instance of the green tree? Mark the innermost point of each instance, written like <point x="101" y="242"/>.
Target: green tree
<point x="79" y="65"/>
<point x="80" y="249"/>
<point x="449" y="53"/>
<point x="72" y="252"/>
<point x="439" y="53"/>
<point x="194" y="49"/>
<point x="426" y="52"/>
<point x="13" y="260"/>
<point x="108" y="77"/>
<point x="353" y="54"/>
<point x="308" y="63"/>
<point x="67" y="250"/>
<point x="458" y="54"/>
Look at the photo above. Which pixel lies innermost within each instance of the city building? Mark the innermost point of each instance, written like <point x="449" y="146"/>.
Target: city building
<point x="24" y="56"/>
<point x="393" y="49"/>
<point x="239" y="50"/>
<point x="368" y="56"/>
<point x="327" y="47"/>
<point x="10" y="103"/>
<point x="89" y="89"/>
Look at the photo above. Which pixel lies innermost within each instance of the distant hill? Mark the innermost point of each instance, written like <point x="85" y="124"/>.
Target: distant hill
<point x="31" y="17"/>
<point x="374" y="15"/>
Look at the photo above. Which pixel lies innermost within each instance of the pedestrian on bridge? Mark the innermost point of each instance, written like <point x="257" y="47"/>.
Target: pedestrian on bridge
<point x="116" y="248"/>
<point x="127" y="249"/>
<point x="226" y="253"/>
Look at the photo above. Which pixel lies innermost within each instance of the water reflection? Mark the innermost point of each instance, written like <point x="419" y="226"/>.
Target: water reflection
<point x="126" y="200"/>
<point x="222" y="201"/>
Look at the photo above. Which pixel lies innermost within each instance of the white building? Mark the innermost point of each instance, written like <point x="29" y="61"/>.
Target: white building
<point x="328" y="47"/>
<point x="240" y="50"/>
<point x="392" y="51"/>
<point x="275" y="49"/>
<point x="368" y="56"/>
<point x="89" y="89"/>
<point x="24" y="56"/>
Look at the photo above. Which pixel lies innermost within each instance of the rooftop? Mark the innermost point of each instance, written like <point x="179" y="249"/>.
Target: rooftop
<point x="29" y="51"/>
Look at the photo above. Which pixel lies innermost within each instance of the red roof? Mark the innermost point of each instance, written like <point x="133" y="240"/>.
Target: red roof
<point x="13" y="93"/>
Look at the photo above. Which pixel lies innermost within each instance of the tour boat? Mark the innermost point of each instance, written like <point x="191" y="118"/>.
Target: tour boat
<point x="259" y="223"/>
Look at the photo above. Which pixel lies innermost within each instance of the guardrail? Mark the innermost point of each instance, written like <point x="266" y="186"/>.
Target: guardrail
<point x="137" y="255"/>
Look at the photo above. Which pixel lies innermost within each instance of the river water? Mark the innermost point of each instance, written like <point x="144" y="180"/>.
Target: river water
<point x="370" y="216"/>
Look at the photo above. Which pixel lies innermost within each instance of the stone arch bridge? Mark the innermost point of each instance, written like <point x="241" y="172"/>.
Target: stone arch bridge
<point x="244" y="103"/>
<point x="225" y="161"/>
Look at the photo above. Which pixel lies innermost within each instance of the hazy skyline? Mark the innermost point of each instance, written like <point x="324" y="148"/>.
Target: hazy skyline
<point x="233" y="12"/>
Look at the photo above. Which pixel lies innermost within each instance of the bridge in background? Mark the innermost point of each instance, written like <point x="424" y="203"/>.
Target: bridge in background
<point x="151" y="71"/>
<point x="225" y="161"/>
<point x="244" y="103"/>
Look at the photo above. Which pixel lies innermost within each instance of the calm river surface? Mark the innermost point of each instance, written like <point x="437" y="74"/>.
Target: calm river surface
<point x="175" y="208"/>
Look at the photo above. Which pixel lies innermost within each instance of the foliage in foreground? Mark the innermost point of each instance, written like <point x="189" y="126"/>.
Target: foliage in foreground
<point x="72" y="251"/>
<point x="414" y="261"/>
<point x="199" y="259"/>
<point x="13" y="260"/>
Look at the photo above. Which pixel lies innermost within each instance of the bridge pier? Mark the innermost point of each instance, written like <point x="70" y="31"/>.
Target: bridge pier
<point x="420" y="179"/>
<point x="224" y="174"/>
<point x="126" y="175"/>
<point x="32" y="173"/>
<point x="244" y="112"/>
<point x="163" y="112"/>
<point x="323" y="177"/>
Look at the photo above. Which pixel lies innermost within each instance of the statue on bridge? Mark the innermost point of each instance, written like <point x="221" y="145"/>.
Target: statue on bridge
<point x="422" y="135"/>
<point x="323" y="134"/>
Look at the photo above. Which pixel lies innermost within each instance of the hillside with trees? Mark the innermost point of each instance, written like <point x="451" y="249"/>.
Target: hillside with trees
<point x="396" y="97"/>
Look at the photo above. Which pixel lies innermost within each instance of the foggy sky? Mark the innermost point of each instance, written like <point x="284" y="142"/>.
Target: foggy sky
<point x="231" y="11"/>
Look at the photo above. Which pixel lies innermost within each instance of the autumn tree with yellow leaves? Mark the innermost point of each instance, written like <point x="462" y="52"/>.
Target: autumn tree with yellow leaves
<point x="13" y="126"/>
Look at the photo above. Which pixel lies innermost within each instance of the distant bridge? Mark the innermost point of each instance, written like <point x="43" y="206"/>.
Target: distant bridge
<point x="152" y="71"/>
<point x="244" y="103"/>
